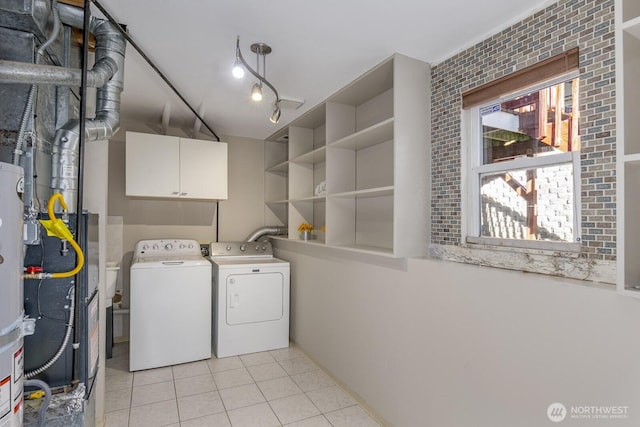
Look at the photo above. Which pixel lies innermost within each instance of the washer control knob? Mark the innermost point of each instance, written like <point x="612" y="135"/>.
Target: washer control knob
<point x="168" y="246"/>
<point x="156" y="247"/>
<point x="190" y="245"/>
<point x="243" y="247"/>
<point x="228" y="247"/>
<point x="257" y="248"/>
<point x="145" y="247"/>
<point x="264" y="247"/>
<point x="182" y="246"/>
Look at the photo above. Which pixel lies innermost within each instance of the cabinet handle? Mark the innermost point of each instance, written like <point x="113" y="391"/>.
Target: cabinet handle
<point x="183" y="194"/>
<point x="174" y="193"/>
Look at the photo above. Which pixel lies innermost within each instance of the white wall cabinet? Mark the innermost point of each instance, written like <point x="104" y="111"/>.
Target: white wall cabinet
<point x="171" y="167"/>
<point x="628" y="144"/>
<point x="368" y="146"/>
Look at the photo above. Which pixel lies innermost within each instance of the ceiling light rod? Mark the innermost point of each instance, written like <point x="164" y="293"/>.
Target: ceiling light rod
<point x="259" y="49"/>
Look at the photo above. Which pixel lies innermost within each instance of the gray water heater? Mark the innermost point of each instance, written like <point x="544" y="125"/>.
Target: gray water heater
<point x="11" y="294"/>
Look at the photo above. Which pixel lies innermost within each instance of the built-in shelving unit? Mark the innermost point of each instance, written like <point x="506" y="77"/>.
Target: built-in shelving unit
<point x="628" y="144"/>
<point x="357" y="167"/>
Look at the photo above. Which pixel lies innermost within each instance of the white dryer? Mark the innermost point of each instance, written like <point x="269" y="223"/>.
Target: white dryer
<point x="250" y="298"/>
<point x="170" y="311"/>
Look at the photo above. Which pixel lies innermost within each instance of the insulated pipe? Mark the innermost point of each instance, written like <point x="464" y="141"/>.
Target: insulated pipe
<point x="109" y="44"/>
<point x="47" y="397"/>
<point x="277" y="230"/>
<point x="24" y="72"/>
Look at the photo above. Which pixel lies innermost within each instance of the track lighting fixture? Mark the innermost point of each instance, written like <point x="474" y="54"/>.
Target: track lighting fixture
<point x="275" y="116"/>
<point x="261" y="50"/>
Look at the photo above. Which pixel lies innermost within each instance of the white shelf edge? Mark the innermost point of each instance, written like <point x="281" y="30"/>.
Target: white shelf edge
<point x="279" y="167"/>
<point x="631" y="158"/>
<point x="318" y="155"/>
<point x="375" y="134"/>
<point x="632" y="27"/>
<point x="276" y="202"/>
<point x="368" y="250"/>
<point x="308" y="199"/>
<point x="370" y="192"/>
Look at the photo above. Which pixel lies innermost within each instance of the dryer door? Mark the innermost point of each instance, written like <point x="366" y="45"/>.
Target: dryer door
<point x="255" y="297"/>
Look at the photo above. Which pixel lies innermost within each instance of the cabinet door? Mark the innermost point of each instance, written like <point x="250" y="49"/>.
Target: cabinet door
<point x="203" y="169"/>
<point x="152" y="166"/>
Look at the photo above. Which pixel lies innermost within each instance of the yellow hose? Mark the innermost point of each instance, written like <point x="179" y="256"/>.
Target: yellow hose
<point x="56" y="227"/>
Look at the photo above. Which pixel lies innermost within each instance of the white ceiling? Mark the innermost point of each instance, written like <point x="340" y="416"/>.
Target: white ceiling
<point x="318" y="47"/>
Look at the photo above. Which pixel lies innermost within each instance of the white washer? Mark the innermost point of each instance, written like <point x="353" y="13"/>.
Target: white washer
<point x="251" y="298"/>
<point x="170" y="309"/>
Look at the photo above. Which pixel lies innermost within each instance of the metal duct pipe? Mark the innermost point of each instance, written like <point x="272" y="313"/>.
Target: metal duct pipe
<point x="109" y="44"/>
<point x="274" y="229"/>
<point x="23" y="72"/>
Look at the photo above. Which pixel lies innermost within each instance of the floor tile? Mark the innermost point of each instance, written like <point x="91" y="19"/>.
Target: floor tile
<point x="199" y="405"/>
<point x="330" y="398"/>
<point x="119" y="364"/>
<point x="119" y="381"/>
<point x="120" y="350"/>
<point x="233" y="378"/>
<point x="297" y="365"/>
<point x="216" y="420"/>
<point x="259" y="415"/>
<point x="278" y="388"/>
<point x="152" y="376"/>
<point x="152" y="393"/>
<point x="225" y="364"/>
<point x="192" y="369"/>
<point x="194" y="385"/>
<point x="154" y="414"/>
<point x="118" y="418"/>
<point x="352" y="416"/>
<point x="314" y="380"/>
<point x="293" y="408"/>
<point x="267" y="371"/>
<point x="287" y="353"/>
<point x="318" y="421"/>
<point x="238" y="397"/>
<point x="257" y="358"/>
<point x="118" y="399"/>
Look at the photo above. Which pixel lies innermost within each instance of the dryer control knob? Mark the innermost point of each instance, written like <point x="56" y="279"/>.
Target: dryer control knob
<point x="168" y="246"/>
<point x="156" y="247"/>
<point x="264" y="248"/>
<point x="257" y="248"/>
<point x="182" y="246"/>
<point x="190" y="245"/>
<point x="228" y="247"/>
<point x="243" y="248"/>
<point x="145" y="247"/>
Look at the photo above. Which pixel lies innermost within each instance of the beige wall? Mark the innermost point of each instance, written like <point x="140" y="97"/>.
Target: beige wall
<point x="434" y="343"/>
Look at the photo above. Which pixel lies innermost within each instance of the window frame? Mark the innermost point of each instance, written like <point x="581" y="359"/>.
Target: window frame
<point x="472" y="168"/>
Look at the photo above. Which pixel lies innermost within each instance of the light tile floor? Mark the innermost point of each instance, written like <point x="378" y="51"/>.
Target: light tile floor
<point x="272" y="388"/>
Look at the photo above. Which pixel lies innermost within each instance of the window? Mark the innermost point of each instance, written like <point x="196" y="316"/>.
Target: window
<point x="523" y="166"/>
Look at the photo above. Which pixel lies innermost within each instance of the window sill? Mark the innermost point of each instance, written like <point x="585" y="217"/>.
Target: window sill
<point x="542" y="247"/>
<point x="542" y="261"/>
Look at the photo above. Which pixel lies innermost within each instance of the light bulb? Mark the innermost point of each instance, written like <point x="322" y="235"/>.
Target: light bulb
<point x="256" y="92"/>
<point x="238" y="69"/>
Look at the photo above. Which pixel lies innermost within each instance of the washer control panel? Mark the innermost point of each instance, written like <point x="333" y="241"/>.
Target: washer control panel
<point x="241" y="249"/>
<point x="167" y="247"/>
